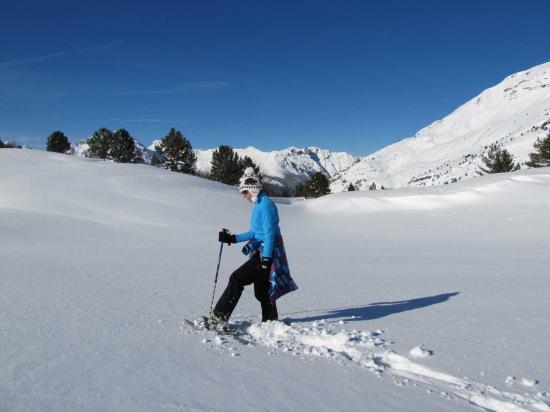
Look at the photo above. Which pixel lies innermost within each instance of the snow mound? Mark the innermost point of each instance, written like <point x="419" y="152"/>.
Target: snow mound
<point x="420" y="352"/>
<point x="488" y="191"/>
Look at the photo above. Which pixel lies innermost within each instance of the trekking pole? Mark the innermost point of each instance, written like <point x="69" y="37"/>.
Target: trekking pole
<point x="216" y="277"/>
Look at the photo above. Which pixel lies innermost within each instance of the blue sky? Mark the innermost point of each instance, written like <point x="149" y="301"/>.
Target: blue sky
<point x="350" y="76"/>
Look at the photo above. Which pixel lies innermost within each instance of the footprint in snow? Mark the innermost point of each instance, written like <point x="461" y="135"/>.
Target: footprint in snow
<point x="420" y="352"/>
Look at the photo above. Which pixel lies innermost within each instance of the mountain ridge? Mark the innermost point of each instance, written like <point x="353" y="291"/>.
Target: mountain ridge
<point x="512" y="114"/>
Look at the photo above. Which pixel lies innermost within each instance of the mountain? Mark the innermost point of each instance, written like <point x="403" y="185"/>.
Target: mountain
<point x="513" y="114"/>
<point x="289" y="167"/>
<point x="285" y="168"/>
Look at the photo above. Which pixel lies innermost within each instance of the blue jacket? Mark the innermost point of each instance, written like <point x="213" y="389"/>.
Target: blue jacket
<point x="264" y="225"/>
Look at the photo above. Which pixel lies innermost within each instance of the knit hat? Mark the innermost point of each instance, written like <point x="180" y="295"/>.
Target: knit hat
<point x="250" y="181"/>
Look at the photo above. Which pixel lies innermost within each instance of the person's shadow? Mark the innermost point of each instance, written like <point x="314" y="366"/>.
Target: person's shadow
<point x="374" y="310"/>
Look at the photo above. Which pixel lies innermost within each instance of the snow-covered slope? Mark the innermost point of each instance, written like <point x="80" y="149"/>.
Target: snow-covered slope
<point x="414" y="299"/>
<point x="513" y="113"/>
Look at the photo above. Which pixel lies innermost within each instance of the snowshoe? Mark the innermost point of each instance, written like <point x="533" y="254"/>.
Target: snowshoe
<point x="213" y="324"/>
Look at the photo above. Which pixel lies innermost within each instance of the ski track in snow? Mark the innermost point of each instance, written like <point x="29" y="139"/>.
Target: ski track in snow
<point x="321" y="339"/>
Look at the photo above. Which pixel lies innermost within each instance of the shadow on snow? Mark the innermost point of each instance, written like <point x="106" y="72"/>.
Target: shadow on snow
<point x="374" y="310"/>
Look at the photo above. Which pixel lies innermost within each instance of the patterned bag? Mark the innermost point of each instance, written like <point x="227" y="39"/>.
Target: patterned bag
<point x="280" y="279"/>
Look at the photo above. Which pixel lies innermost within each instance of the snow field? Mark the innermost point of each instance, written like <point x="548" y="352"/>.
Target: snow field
<point x="101" y="262"/>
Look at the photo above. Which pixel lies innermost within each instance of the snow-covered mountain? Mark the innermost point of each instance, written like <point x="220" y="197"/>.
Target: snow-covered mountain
<point x="288" y="167"/>
<point x="285" y="168"/>
<point x="291" y="166"/>
<point x="514" y="113"/>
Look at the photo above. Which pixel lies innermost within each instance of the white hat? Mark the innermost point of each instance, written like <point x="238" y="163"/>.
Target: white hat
<point x="250" y="182"/>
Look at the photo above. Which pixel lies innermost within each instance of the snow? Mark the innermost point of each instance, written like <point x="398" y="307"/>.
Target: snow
<point x="420" y="352"/>
<point x="417" y="299"/>
<point x="513" y="114"/>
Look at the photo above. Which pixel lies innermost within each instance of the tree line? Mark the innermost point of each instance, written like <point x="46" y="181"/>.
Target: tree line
<point x="9" y="145"/>
<point x="499" y="160"/>
<point x="176" y="153"/>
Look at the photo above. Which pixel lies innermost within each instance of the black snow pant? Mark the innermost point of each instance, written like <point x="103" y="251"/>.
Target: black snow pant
<point x="245" y="275"/>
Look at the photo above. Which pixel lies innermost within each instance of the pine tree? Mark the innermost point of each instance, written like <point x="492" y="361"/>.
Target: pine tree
<point x="372" y="186"/>
<point x="540" y="158"/>
<point x="351" y="188"/>
<point x="317" y="186"/>
<point x="9" y="145"/>
<point x="58" y="142"/>
<point x="155" y="160"/>
<point x="226" y="166"/>
<point x="498" y="160"/>
<point x="100" y="143"/>
<point x="299" y="190"/>
<point x="178" y="153"/>
<point x="248" y="162"/>
<point x="123" y="147"/>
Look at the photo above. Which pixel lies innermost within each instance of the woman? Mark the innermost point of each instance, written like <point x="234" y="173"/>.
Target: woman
<point x="267" y="267"/>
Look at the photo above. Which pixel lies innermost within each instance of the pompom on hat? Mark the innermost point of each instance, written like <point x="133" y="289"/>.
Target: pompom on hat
<point x="250" y="182"/>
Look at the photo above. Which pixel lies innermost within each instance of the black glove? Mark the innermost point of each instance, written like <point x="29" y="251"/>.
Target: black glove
<point x="265" y="267"/>
<point x="226" y="237"/>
